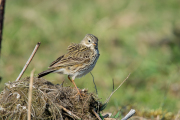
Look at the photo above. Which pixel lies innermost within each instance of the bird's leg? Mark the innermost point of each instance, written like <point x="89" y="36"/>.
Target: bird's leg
<point x="69" y="78"/>
<point x="75" y="86"/>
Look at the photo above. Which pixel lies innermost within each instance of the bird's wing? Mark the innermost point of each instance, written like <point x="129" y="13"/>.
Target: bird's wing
<point x="77" y="54"/>
<point x="56" y="61"/>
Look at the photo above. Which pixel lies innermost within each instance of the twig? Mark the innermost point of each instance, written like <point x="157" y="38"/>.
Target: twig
<point x="2" y="6"/>
<point x="96" y="115"/>
<point x="69" y="112"/>
<point x="117" y="88"/>
<point x="2" y="9"/>
<point x="29" y="60"/>
<point x="94" y="84"/>
<point x="130" y="114"/>
<point x="30" y="95"/>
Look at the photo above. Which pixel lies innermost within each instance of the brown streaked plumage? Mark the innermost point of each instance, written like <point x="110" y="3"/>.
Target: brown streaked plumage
<point x="78" y="61"/>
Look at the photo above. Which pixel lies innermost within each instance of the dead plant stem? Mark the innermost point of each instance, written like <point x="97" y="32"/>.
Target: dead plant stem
<point x="69" y="112"/>
<point x="117" y="88"/>
<point x="30" y="94"/>
<point x="96" y="115"/>
<point x="29" y="60"/>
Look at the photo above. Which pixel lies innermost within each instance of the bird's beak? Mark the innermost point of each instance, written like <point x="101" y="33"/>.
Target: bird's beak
<point x="94" y="44"/>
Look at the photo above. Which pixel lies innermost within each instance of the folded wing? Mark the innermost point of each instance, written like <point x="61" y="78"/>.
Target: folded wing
<point x="77" y="54"/>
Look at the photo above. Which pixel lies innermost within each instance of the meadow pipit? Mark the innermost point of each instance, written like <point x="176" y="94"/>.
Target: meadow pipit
<point x="78" y="61"/>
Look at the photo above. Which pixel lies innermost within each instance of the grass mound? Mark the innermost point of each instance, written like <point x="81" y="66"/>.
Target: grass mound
<point x="49" y="101"/>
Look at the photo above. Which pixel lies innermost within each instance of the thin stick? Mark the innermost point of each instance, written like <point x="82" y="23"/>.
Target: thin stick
<point x="117" y="88"/>
<point x="96" y="115"/>
<point x="69" y="112"/>
<point x="2" y="10"/>
<point x="94" y="84"/>
<point x="29" y="60"/>
<point x="30" y="95"/>
<point x="130" y="114"/>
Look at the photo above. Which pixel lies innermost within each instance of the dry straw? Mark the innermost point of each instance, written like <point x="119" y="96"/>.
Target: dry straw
<point x="30" y="94"/>
<point x="29" y="60"/>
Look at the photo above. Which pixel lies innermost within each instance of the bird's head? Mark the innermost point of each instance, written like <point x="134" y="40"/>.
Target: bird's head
<point x="90" y="41"/>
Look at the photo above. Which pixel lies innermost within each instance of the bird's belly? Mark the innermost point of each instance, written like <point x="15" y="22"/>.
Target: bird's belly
<point x="87" y="69"/>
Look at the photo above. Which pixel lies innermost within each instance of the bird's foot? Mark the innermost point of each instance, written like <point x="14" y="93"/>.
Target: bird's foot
<point x="78" y="93"/>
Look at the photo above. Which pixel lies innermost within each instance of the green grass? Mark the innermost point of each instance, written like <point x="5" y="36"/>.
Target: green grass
<point x="131" y="35"/>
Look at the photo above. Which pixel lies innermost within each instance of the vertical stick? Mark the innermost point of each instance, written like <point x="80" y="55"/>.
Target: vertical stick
<point x="29" y="60"/>
<point x="30" y="94"/>
<point x="2" y="7"/>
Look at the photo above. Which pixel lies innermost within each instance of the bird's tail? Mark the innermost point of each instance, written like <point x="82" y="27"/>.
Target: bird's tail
<point x="45" y="72"/>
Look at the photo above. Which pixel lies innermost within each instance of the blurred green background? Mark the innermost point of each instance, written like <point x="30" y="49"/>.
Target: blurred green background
<point x="135" y="36"/>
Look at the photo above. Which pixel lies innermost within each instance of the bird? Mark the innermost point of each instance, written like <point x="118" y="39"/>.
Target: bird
<point x="79" y="60"/>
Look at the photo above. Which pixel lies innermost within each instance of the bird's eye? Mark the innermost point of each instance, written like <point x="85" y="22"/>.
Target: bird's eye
<point x="89" y="40"/>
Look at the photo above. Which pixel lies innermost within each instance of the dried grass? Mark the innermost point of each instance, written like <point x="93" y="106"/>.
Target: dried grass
<point x="49" y="101"/>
